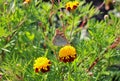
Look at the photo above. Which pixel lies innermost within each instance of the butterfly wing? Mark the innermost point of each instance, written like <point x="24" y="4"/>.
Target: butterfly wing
<point x="59" y="40"/>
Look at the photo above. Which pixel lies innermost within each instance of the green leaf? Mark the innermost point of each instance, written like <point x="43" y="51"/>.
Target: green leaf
<point x="30" y="36"/>
<point x="3" y="32"/>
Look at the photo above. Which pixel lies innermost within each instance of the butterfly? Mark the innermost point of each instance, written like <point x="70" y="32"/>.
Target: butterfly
<point x="59" y="39"/>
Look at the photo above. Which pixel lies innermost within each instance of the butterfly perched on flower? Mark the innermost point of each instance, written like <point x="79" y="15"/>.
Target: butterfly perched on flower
<point x="59" y="39"/>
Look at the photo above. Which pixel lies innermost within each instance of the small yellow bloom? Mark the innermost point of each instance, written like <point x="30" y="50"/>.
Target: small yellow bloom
<point x="26" y="1"/>
<point x="76" y="3"/>
<point x="42" y="64"/>
<point x="67" y="53"/>
<point x="71" y="5"/>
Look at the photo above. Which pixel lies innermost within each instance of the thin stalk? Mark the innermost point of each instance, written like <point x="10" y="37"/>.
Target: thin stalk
<point x="72" y="27"/>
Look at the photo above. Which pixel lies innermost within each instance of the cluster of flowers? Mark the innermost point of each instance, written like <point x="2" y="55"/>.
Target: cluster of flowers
<point x="70" y="6"/>
<point x="66" y="53"/>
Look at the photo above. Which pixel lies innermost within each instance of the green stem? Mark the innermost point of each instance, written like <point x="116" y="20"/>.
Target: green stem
<point x="72" y="28"/>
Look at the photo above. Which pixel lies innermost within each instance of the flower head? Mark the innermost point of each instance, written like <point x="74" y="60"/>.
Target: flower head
<point x="26" y="1"/>
<point x="42" y="64"/>
<point x="67" y="54"/>
<point x="71" y="5"/>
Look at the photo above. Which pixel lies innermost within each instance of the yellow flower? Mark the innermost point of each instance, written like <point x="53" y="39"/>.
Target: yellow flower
<point x="26" y="1"/>
<point x="67" y="54"/>
<point x="42" y="64"/>
<point x="76" y="3"/>
<point x="68" y="6"/>
<point x="71" y="5"/>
